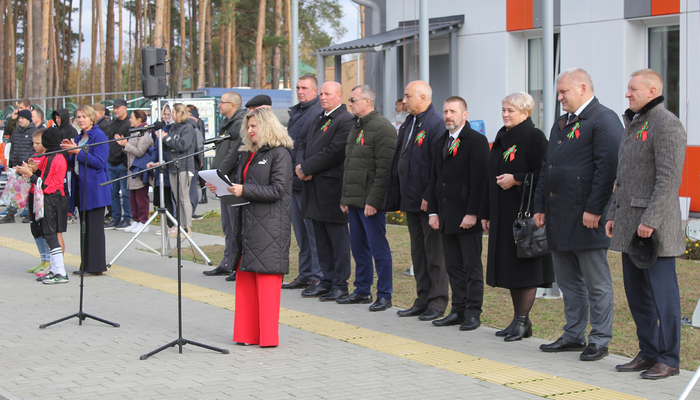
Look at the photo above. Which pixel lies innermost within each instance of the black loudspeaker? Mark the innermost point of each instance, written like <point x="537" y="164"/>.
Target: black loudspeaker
<point x="153" y="72"/>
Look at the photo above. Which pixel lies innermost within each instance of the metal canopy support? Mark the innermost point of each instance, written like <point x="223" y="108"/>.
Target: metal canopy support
<point x="339" y="69"/>
<point x="320" y="69"/>
<point x="389" y="71"/>
<point x="453" y="62"/>
<point x="424" y="42"/>
<point x="294" y="70"/>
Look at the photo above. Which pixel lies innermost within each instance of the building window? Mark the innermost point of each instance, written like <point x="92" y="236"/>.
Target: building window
<point x="664" y="58"/>
<point x="535" y="77"/>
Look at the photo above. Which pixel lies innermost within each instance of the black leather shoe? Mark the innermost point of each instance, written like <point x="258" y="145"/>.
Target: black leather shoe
<point x="297" y="283"/>
<point x="381" y="304"/>
<point x="217" y="271"/>
<point x="470" y="323"/>
<point x="504" y="332"/>
<point x="562" y="345"/>
<point x="638" y="364"/>
<point x="450" y="319"/>
<point x="232" y="277"/>
<point x="521" y="329"/>
<point x="204" y="199"/>
<point x="315" y="290"/>
<point x="594" y="352"/>
<point x="411" y="312"/>
<point x="355" y="298"/>
<point x="431" y="314"/>
<point x="660" y="371"/>
<point x="334" y="295"/>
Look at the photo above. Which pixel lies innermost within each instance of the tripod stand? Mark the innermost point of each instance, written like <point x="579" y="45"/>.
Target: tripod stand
<point x="80" y="314"/>
<point x="162" y="212"/>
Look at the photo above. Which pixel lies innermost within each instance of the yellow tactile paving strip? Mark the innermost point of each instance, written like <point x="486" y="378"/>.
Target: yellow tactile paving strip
<point x="523" y="379"/>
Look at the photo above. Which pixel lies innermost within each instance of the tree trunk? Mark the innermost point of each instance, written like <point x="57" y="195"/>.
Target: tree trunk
<point x="3" y="22"/>
<point x="80" y="41"/>
<point x="228" y="71"/>
<point x="93" y="49"/>
<point x="181" y="70"/>
<point x="288" y="34"/>
<point x="259" y="59"/>
<point x="109" y="47"/>
<point x="221" y="81"/>
<point x="129" y="64"/>
<point x="137" y="46"/>
<point x="67" y="39"/>
<point x="158" y="36"/>
<point x="209" y="59"/>
<point x="202" y="30"/>
<point x="276" y="53"/>
<point x="28" y="79"/>
<point x="120" y="60"/>
<point x="234" y="52"/>
<point x="101" y="39"/>
<point x="194" y="45"/>
<point x="51" y="37"/>
<point x="43" y="13"/>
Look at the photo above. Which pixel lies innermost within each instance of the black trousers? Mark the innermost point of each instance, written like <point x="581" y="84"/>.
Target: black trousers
<point x="92" y="242"/>
<point x="428" y="263"/>
<point x="466" y="272"/>
<point x="333" y="243"/>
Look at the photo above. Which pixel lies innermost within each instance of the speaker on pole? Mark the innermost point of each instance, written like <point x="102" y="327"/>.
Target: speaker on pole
<point x="153" y="72"/>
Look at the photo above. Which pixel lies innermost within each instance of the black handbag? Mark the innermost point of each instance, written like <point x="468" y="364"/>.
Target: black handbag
<point x="530" y="241"/>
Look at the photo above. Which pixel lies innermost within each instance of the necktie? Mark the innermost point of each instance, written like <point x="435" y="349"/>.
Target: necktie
<point x="448" y="143"/>
<point x="571" y="118"/>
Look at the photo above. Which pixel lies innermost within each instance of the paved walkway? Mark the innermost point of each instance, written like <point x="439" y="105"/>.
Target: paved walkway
<point x="326" y="351"/>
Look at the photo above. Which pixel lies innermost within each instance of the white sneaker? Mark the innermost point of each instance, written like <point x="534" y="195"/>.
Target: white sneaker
<point x="130" y="228"/>
<point x="145" y="229"/>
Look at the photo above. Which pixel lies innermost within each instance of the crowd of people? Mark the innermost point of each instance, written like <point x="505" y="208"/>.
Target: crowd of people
<point x="336" y="171"/>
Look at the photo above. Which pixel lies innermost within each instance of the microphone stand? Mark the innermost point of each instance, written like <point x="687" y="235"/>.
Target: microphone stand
<point x="80" y="314"/>
<point x="180" y="341"/>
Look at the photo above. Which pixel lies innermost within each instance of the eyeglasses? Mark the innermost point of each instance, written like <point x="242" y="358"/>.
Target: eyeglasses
<point x="351" y="100"/>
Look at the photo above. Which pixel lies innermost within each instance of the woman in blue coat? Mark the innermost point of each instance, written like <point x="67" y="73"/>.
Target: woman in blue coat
<point x="90" y="170"/>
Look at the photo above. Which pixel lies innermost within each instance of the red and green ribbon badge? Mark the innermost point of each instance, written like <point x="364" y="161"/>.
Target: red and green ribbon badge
<point x="325" y="126"/>
<point x="361" y="138"/>
<point x="574" y="131"/>
<point x="453" y="147"/>
<point x="643" y="132"/>
<point x="419" y="138"/>
<point x="509" y="155"/>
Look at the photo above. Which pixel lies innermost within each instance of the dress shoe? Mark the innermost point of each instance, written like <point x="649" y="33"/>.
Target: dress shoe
<point x="562" y="345"/>
<point x="232" y="277"/>
<point x="470" y="323"/>
<point x="381" y="304"/>
<point x="217" y="271"/>
<point x="411" y="312"/>
<point x="431" y="314"/>
<point x="594" y="352"/>
<point x="638" y="364"/>
<point x="334" y="294"/>
<point x="521" y="329"/>
<point x="504" y="332"/>
<point x="660" y="371"/>
<point x="315" y="290"/>
<point x="450" y="319"/>
<point x="87" y="273"/>
<point x="297" y="283"/>
<point x="356" y="298"/>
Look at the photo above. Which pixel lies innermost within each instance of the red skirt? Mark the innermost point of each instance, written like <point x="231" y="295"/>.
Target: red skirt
<point x="256" y="320"/>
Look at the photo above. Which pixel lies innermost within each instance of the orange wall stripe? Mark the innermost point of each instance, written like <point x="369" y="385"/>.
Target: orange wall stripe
<point x="690" y="186"/>
<point x="518" y="15"/>
<point x="663" y="7"/>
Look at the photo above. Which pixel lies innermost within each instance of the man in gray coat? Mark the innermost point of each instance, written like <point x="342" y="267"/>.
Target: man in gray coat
<point x="645" y="202"/>
<point x="575" y="185"/>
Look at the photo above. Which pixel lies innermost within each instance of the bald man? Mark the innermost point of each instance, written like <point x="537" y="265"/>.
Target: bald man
<point x="319" y="164"/>
<point x="653" y="146"/>
<point x="408" y="191"/>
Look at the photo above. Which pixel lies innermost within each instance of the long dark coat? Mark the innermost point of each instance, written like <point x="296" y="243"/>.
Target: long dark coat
<point x="577" y="176"/>
<point x="322" y="155"/>
<point x="500" y="207"/>
<point x="457" y="181"/>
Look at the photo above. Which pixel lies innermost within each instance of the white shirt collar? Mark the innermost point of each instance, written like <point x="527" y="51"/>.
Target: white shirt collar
<point x="455" y="135"/>
<point x="325" y="114"/>
<point x="580" y="109"/>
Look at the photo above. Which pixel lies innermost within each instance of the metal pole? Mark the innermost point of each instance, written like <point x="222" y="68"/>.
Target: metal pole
<point x="320" y="70"/>
<point x="424" y="42"/>
<point x="548" y="63"/>
<point x="294" y="57"/>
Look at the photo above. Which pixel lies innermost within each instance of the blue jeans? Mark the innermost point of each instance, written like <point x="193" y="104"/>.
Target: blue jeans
<point x="368" y="241"/>
<point x="309" y="268"/>
<point x="118" y="204"/>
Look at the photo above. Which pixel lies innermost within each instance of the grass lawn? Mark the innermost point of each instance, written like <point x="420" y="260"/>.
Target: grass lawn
<point x="547" y="315"/>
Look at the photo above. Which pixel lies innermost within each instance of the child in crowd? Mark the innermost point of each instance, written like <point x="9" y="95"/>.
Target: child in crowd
<point x="52" y="170"/>
<point x="35" y="225"/>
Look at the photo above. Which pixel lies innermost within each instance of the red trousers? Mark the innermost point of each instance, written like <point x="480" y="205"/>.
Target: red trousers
<point x="256" y="320"/>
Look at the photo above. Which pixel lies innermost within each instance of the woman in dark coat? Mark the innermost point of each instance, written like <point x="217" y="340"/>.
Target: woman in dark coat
<point x="517" y="152"/>
<point x="90" y="169"/>
<point x="262" y="227"/>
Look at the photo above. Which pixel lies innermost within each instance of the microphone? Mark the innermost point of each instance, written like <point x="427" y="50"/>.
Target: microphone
<point x="218" y="139"/>
<point x="158" y="125"/>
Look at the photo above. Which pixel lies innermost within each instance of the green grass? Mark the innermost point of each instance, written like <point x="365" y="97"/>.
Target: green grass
<point x="547" y="315"/>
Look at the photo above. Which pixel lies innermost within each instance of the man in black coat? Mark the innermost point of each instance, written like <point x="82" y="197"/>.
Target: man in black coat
<point x="454" y="197"/>
<point x="301" y="117"/>
<point x="575" y="185"/>
<point x="410" y="173"/>
<point x="225" y="160"/>
<point x="121" y="208"/>
<point x="320" y="165"/>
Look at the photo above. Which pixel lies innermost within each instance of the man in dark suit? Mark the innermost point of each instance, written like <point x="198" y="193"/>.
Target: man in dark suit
<point x="454" y="196"/>
<point x="653" y="146"/>
<point x="410" y="173"/>
<point x="575" y="185"/>
<point x="320" y="165"/>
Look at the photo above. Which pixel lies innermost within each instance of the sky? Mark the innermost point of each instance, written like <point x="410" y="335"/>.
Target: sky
<point x="349" y="20"/>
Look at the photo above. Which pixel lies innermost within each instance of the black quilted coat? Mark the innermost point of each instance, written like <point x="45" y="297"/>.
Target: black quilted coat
<point x="263" y="232"/>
